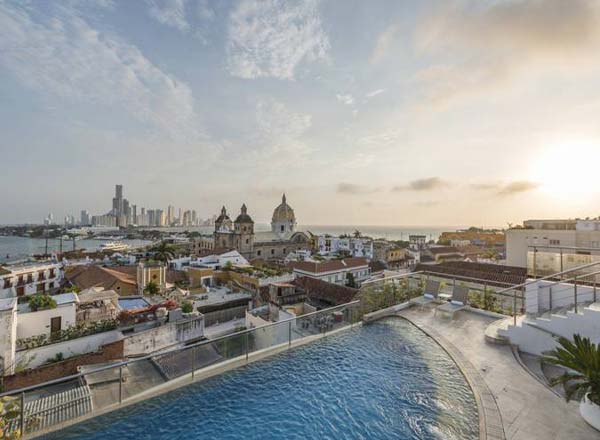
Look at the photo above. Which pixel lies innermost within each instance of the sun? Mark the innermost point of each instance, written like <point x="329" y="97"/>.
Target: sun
<point x="569" y="170"/>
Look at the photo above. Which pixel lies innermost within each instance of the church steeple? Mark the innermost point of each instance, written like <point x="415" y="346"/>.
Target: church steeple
<point x="283" y="199"/>
<point x="223" y="210"/>
<point x="244" y="209"/>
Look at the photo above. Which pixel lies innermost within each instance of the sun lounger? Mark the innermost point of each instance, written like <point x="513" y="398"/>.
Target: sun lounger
<point x="460" y="296"/>
<point x="430" y="294"/>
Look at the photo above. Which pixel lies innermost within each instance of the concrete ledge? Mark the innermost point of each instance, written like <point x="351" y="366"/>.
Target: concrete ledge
<point x="383" y="313"/>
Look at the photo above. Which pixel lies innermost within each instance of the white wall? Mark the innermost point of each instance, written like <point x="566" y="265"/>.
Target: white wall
<point x="538" y="335"/>
<point x="38" y="323"/>
<point x="8" y="339"/>
<point x="537" y="296"/>
<point x="35" y="357"/>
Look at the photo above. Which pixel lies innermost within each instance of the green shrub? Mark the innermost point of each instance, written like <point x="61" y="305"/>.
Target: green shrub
<point x="41" y="302"/>
<point x="187" y="307"/>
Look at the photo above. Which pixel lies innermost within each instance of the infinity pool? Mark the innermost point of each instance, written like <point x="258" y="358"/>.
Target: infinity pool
<point x="386" y="380"/>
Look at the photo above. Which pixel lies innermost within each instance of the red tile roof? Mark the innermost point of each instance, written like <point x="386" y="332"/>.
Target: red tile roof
<point x="329" y="266"/>
<point x="322" y="291"/>
<point x="493" y="274"/>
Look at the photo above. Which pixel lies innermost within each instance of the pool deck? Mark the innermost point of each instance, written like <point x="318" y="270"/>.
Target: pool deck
<point x="528" y="409"/>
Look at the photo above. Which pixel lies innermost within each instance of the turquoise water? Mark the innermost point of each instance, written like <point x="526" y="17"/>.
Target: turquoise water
<point x="386" y="380"/>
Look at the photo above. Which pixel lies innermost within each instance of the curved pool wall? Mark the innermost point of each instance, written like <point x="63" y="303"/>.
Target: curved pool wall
<point x="381" y="381"/>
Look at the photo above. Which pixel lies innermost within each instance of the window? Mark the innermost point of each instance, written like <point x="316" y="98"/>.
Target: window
<point x="282" y="228"/>
<point x="272" y="251"/>
<point x="258" y="253"/>
<point x="554" y="242"/>
<point x="247" y="241"/>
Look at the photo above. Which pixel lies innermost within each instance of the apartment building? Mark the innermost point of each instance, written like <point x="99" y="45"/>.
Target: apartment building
<point x="574" y="239"/>
<point x="334" y="271"/>
<point x="29" y="278"/>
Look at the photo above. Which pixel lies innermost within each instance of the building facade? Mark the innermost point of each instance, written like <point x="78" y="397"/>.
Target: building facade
<point x="270" y="245"/>
<point x="28" y="279"/>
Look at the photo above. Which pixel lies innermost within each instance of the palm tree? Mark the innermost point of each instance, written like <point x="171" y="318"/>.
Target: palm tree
<point x="163" y="252"/>
<point x="151" y="289"/>
<point x="581" y="358"/>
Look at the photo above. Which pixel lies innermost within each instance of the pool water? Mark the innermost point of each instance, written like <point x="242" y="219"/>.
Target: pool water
<point x="386" y="380"/>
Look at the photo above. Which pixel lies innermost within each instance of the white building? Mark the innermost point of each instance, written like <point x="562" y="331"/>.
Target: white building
<point x="355" y="247"/>
<point x="577" y="238"/>
<point x="29" y="278"/>
<point x="47" y="321"/>
<point x="334" y="271"/>
<point x="213" y="261"/>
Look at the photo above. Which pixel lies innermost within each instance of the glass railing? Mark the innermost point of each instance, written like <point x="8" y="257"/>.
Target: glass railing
<point x="48" y="406"/>
<point x="493" y="296"/>
<point x="544" y="261"/>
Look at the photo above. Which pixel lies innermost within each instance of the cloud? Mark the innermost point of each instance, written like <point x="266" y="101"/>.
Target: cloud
<point x="280" y="132"/>
<point x="383" y="43"/>
<point x="60" y="54"/>
<point x="523" y="26"/>
<point x="170" y="13"/>
<point x="271" y="38"/>
<point x="354" y="189"/>
<point x="518" y="187"/>
<point x="427" y="184"/>
<point x="481" y="45"/>
<point x="427" y="203"/>
<point x="506" y="189"/>
<point x="345" y="99"/>
<point x="375" y="93"/>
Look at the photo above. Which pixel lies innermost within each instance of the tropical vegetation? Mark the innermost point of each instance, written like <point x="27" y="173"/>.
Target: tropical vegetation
<point x="581" y="358"/>
<point x="41" y="302"/>
<point x="163" y="252"/>
<point x="151" y="288"/>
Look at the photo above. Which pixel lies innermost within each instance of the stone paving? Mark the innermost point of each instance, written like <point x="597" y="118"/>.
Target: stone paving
<point x="528" y="409"/>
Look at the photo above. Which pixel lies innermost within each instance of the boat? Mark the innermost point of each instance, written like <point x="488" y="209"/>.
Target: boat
<point x="114" y="246"/>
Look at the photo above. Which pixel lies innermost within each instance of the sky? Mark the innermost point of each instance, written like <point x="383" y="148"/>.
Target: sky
<point x="386" y="112"/>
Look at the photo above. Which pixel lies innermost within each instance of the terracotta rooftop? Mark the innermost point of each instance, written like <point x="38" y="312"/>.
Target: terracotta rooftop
<point x="328" y="266"/>
<point x="494" y="274"/>
<point x="322" y="291"/>
<point x="85" y="277"/>
<point x="444" y="250"/>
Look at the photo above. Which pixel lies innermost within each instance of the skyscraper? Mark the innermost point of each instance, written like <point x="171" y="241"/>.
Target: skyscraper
<point x="84" y="219"/>
<point x="170" y="215"/>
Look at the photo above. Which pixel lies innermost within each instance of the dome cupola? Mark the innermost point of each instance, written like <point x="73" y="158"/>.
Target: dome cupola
<point x="284" y="219"/>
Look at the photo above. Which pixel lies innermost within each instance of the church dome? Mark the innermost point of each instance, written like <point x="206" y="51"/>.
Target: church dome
<point x="223" y="217"/>
<point x="244" y="217"/>
<point x="283" y="213"/>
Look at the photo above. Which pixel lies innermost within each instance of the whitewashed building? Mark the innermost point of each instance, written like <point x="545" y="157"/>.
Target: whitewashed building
<point x="29" y="278"/>
<point x="355" y="247"/>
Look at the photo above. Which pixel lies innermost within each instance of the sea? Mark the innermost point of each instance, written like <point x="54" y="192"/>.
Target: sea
<point x="387" y="232"/>
<point x="16" y="248"/>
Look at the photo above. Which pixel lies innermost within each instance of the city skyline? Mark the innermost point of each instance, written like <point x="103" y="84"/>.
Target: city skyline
<point x="393" y="113"/>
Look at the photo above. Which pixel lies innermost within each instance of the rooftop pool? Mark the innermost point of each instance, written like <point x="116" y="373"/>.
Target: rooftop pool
<point x="386" y="380"/>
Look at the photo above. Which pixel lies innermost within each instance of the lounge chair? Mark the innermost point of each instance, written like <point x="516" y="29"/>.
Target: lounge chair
<point x="460" y="296"/>
<point x="430" y="294"/>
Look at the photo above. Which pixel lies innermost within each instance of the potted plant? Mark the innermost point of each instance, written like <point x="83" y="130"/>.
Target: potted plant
<point x="581" y="358"/>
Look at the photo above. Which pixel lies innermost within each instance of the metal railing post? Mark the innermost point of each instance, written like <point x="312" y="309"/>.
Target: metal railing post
<point x="575" y="292"/>
<point x="193" y="349"/>
<point x="550" y="298"/>
<point x="247" y="347"/>
<point x="289" y="334"/>
<point x="22" y="415"/>
<point x="534" y="262"/>
<point x="561" y="261"/>
<point x="595" y="288"/>
<point x="121" y="384"/>
<point x="515" y="307"/>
